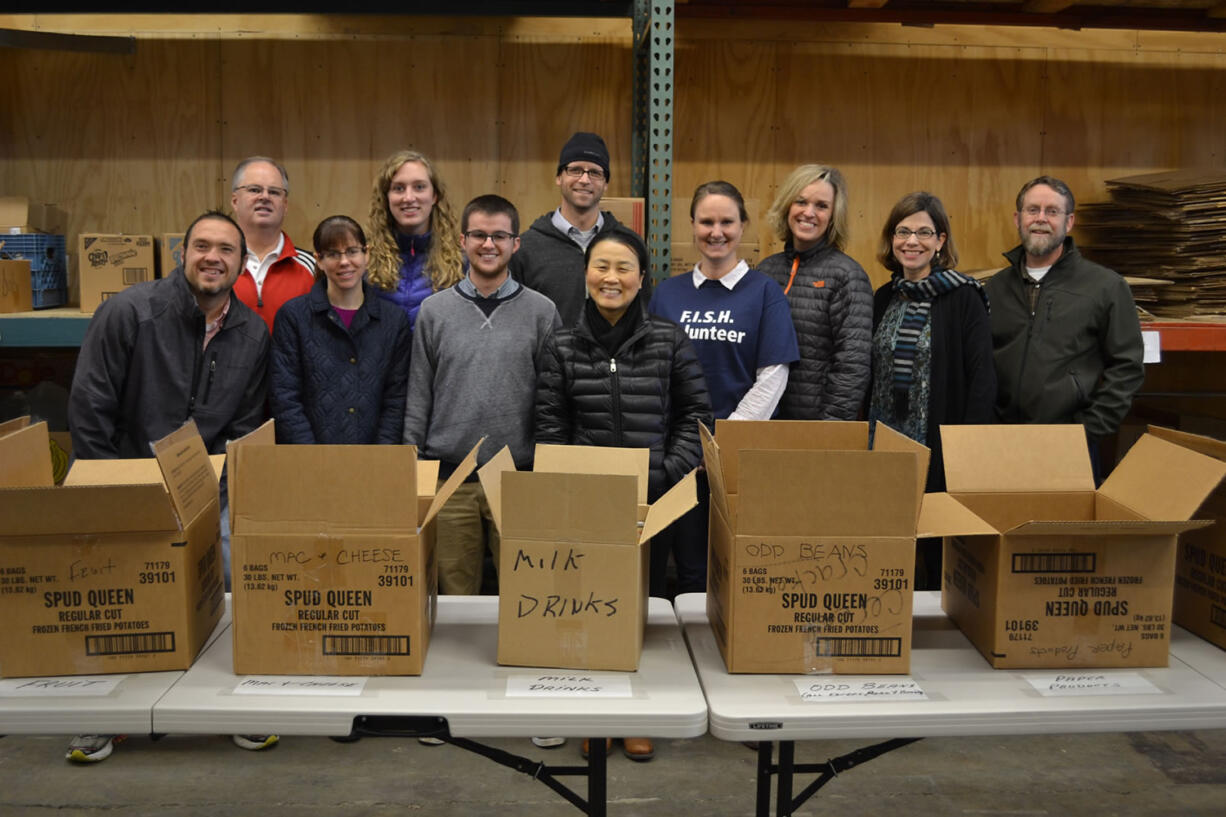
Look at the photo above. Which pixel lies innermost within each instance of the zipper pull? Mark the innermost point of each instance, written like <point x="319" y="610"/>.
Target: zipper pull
<point x="612" y="365"/>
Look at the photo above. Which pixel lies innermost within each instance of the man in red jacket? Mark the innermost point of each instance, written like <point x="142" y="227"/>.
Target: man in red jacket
<point x="275" y="270"/>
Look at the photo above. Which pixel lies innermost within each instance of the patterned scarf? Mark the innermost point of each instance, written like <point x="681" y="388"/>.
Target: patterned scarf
<point x="919" y="296"/>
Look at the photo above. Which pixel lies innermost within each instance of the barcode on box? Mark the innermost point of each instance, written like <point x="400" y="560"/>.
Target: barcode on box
<point x="366" y="645"/>
<point x="859" y="647"/>
<point x="1054" y="562"/>
<point x="130" y="644"/>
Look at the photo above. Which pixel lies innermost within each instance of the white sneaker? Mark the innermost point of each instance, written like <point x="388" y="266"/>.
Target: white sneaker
<point x="431" y="742"/>
<point x="254" y="743"/>
<point x="91" y="748"/>
<point x="549" y="743"/>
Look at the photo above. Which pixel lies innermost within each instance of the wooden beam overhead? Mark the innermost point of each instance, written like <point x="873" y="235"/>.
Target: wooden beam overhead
<point x="866" y="4"/>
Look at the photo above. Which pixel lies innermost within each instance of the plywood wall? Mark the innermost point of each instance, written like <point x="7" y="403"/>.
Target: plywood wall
<point x="144" y="142"/>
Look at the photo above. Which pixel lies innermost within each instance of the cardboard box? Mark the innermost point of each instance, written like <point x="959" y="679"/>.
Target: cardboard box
<point x="103" y="578"/>
<point x="111" y="263"/>
<point x="1060" y="575"/>
<point x="684" y="255"/>
<point x="812" y="549"/>
<point x="573" y="567"/>
<point x="1200" y="567"/>
<point x="629" y="211"/>
<point x="331" y="573"/>
<point x="170" y="253"/>
<point x="16" y="294"/>
<point x="18" y="214"/>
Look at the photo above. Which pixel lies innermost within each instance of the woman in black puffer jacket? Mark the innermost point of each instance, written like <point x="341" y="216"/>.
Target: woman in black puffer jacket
<point x="622" y="377"/>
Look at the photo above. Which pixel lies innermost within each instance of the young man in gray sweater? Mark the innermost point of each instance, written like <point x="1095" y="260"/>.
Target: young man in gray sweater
<point x="476" y="353"/>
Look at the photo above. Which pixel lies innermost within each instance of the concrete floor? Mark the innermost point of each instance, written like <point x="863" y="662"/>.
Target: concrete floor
<point x="1151" y="774"/>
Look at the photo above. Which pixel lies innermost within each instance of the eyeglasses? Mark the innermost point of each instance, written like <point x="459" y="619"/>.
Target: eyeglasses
<point x="259" y="190"/>
<point x="480" y="236"/>
<point x="596" y="175"/>
<point x="923" y="233"/>
<point x="352" y="253"/>
<point x="1034" y="210"/>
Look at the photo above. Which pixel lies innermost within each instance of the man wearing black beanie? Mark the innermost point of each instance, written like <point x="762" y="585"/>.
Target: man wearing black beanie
<point x="550" y="257"/>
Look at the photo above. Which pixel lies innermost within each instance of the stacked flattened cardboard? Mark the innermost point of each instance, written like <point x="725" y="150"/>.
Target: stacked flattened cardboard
<point x="1169" y="226"/>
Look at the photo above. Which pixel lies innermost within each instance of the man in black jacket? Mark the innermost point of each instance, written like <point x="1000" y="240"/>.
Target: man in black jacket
<point x="160" y="352"/>
<point x="178" y="347"/>
<point x="550" y="256"/>
<point x="1065" y="333"/>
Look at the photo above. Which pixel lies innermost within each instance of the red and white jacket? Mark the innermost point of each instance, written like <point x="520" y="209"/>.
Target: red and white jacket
<point x="291" y="275"/>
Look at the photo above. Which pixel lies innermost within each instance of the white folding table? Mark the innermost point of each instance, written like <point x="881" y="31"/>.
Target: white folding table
<point x="58" y="707"/>
<point x="964" y="696"/>
<point x="461" y="694"/>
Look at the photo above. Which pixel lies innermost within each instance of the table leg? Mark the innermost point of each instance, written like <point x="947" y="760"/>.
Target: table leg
<point x="783" y="803"/>
<point x="597" y="778"/>
<point x="765" y="751"/>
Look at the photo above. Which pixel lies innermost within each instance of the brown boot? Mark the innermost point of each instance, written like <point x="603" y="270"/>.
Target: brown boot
<point x="639" y="750"/>
<point x="608" y="747"/>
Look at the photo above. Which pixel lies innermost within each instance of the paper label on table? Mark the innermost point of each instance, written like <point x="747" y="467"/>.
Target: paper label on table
<point x="829" y="690"/>
<point x="76" y="685"/>
<point x="579" y="685"/>
<point x="314" y="685"/>
<point x="1152" y="341"/>
<point x="1092" y="683"/>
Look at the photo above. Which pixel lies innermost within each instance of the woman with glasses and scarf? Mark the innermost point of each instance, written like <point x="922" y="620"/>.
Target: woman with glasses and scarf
<point x="932" y="343"/>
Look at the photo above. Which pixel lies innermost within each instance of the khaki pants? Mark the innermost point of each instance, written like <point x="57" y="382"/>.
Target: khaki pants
<point x="463" y="530"/>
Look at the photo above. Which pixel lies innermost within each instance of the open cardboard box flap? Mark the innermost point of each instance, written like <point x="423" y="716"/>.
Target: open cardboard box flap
<point x="580" y="511"/>
<point x="311" y="484"/>
<point x="569" y="507"/>
<point x="112" y="496"/>
<point x="737" y="435"/>
<point x="490" y="476"/>
<point x="25" y="455"/>
<point x="669" y="508"/>
<point x="887" y="439"/>
<point x="461" y="473"/>
<point x="942" y="515"/>
<point x="1163" y="480"/>
<point x="1016" y="458"/>
<point x="15" y="424"/>
<point x="1139" y="527"/>
<point x="1205" y="445"/>
<point x="821" y="493"/>
<point x="594" y="459"/>
<point x="187" y="471"/>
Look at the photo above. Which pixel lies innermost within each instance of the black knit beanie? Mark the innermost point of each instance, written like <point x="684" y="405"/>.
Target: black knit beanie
<point x="585" y="147"/>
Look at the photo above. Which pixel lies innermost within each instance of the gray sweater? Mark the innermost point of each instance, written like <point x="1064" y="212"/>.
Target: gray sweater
<point x="474" y="376"/>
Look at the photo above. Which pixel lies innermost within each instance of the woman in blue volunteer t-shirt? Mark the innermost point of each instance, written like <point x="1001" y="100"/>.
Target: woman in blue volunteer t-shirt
<point x="741" y="327"/>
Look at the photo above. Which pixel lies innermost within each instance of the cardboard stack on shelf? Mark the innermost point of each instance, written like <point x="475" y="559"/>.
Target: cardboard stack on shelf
<point x="33" y="259"/>
<point x="1169" y="226"/>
